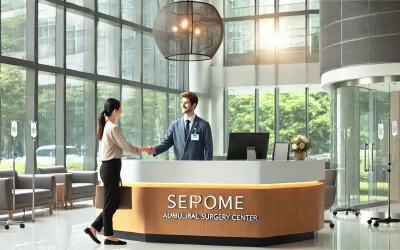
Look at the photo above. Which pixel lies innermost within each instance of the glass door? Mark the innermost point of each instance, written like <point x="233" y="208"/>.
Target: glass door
<point x="346" y="153"/>
<point x="374" y="110"/>
<point x="379" y="146"/>
<point x="359" y="156"/>
<point x="366" y="144"/>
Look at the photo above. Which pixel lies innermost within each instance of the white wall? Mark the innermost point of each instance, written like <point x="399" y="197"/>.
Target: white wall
<point x="199" y="82"/>
<point x="217" y="119"/>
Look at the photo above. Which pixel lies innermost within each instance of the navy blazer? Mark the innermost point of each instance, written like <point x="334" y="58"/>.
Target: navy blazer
<point x="185" y="148"/>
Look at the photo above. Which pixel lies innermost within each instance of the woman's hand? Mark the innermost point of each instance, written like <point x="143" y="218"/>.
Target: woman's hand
<point x="120" y="180"/>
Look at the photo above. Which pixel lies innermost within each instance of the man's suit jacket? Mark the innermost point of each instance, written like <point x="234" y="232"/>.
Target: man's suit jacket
<point x="185" y="148"/>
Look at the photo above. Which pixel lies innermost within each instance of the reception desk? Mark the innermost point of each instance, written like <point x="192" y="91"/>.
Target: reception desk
<point x="243" y="203"/>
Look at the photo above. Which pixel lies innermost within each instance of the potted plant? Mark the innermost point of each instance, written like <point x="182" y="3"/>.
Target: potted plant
<point x="299" y="145"/>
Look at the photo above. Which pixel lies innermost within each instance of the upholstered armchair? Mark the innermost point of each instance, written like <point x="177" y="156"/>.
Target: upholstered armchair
<point x="45" y="191"/>
<point x="78" y="185"/>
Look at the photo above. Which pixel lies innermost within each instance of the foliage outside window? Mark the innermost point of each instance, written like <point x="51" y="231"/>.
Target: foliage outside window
<point x="267" y="116"/>
<point x="292" y="116"/>
<point x="155" y="120"/>
<point x="319" y="123"/>
<point x="12" y="107"/>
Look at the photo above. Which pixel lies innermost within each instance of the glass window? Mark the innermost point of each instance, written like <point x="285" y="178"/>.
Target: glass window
<point x="84" y="3"/>
<point x="128" y="10"/>
<point x="12" y="107"/>
<point x="109" y="7"/>
<point x="81" y="120"/>
<point x="176" y="74"/>
<point x="108" y="49"/>
<point x="241" y="110"/>
<point x="46" y="120"/>
<point x="292" y="112"/>
<point x="266" y="7"/>
<point x="80" y="40"/>
<point x="131" y="54"/>
<point x="175" y="113"/>
<point x="313" y="4"/>
<point x="319" y="123"/>
<point x="237" y="8"/>
<point x="150" y="9"/>
<point x="313" y="38"/>
<point x="291" y="5"/>
<point x="13" y="32"/>
<point x="47" y="34"/>
<point x="161" y="67"/>
<point x="267" y="114"/>
<point x="292" y="36"/>
<point x="131" y="119"/>
<point x="77" y="2"/>
<point x="173" y="74"/>
<point x="268" y="41"/>
<point x="148" y="59"/>
<point x="292" y="31"/>
<point x="240" y="37"/>
<point x="105" y="91"/>
<point x="149" y="13"/>
<point x="155" y="120"/>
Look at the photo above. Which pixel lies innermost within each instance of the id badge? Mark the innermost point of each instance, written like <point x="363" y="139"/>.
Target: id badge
<point x="195" y="137"/>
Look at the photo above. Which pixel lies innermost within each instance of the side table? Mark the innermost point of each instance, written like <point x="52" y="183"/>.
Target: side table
<point x="60" y="195"/>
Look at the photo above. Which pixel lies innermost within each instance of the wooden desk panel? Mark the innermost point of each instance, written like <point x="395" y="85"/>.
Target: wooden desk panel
<point x="282" y="209"/>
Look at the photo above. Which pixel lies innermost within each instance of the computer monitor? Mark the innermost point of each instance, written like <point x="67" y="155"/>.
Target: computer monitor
<point x="239" y="143"/>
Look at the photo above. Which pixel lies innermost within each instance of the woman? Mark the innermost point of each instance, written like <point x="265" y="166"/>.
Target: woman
<point x="112" y="144"/>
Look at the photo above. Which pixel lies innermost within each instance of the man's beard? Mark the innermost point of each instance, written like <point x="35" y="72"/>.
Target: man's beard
<point x="187" y="110"/>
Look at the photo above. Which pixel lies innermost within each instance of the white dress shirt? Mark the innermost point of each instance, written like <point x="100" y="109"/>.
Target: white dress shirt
<point x="191" y="119"/>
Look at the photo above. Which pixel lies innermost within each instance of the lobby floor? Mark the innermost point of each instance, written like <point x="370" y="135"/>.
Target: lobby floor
<point x="64" y="230"/>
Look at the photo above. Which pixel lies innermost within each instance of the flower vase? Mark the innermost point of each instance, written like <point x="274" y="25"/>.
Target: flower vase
<point x="299" y="156"/>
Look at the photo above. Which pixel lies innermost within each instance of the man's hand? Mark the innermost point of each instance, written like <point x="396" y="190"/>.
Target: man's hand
<point x="120" y="180"/>
<point x="149" y="150"/>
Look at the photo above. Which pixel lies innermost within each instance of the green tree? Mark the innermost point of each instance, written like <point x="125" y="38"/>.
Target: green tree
<point x="12" y="107"/>
<point x="319" y="110"/>
<point x="292" y="117"/>
<point x="241" y="117"/>
<point x="47" y="114"/>
<point x="155" y="119"/>
<point x="12" y="91"/>
<point x="13" y="34"/>
<point x="267" y="117"/>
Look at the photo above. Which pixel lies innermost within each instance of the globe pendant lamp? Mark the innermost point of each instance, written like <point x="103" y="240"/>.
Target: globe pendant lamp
<point x="188" y="31"/>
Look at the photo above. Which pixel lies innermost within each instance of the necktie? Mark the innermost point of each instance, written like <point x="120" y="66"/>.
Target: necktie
<point x="187" y="128"/>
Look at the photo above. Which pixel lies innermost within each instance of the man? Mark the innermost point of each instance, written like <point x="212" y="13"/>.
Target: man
<point x="190" y="135"/>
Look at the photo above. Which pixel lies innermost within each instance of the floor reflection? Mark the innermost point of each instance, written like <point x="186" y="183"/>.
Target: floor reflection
<point x="64" y="230"/>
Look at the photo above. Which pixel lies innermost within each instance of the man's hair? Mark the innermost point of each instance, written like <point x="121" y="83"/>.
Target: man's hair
<point x="191" y="96"/>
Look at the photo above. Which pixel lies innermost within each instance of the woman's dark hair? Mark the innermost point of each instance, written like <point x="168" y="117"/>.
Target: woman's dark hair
<point x="109" y="106"/>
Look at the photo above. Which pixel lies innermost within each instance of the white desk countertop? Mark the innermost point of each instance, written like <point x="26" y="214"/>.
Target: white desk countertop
<point x="222" y="172"/>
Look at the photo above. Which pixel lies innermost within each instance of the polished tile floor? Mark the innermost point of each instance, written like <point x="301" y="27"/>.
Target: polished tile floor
<point x="64" y="230"/>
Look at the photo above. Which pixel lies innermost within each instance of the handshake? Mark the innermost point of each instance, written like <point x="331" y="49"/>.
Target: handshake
<point x="149" y="150"/>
